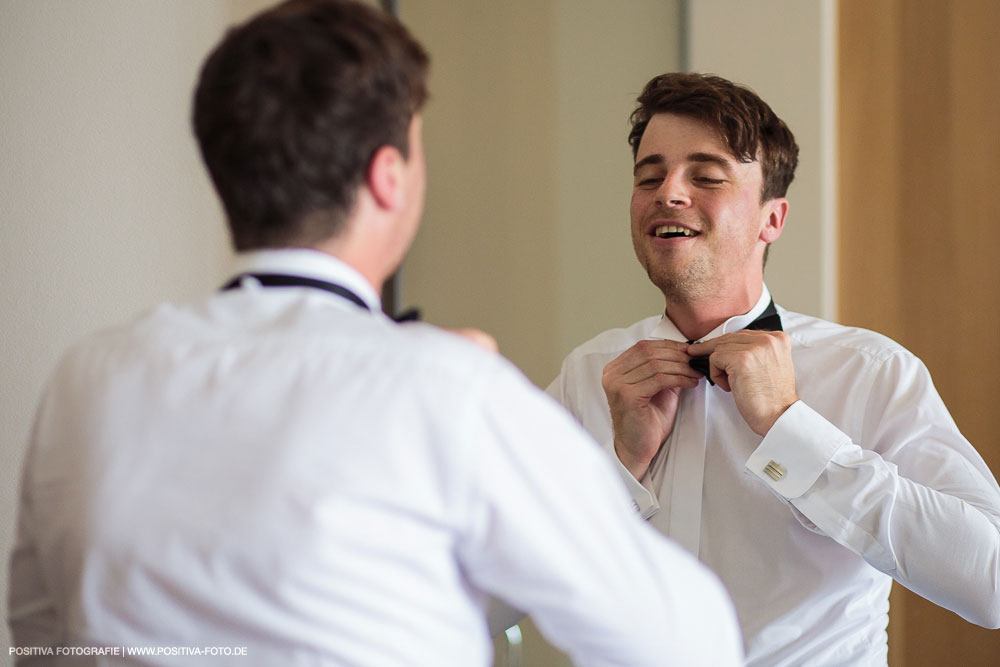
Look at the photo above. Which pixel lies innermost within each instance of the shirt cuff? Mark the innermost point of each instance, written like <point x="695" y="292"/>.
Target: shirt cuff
<point x="796" y="451"/>
<point x="643" y="501"/>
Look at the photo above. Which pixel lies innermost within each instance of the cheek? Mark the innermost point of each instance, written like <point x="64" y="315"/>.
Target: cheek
<point x="741" y="202"/>
<point x="637" y="205"/>
<point x="745" y="211"/>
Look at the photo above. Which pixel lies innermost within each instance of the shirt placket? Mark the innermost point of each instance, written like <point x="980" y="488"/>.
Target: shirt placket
<point x="686" y="470"/>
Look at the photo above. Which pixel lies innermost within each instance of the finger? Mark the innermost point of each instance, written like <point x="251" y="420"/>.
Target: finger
<point x="644" y="351"/>
<point x="655" y="367"/>
<point x="651" y="370"/>
<point x="652" y="349"/>
<point x="745" y="338"/>
<point x="726" y="362"/>
<point x="719" y="376"/>
<point x="735" y="353"/>
<point x="645" y="390"/>
<point x="704" y="348"/>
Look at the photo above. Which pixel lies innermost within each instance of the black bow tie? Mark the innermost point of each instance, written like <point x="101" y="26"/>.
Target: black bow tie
<point x="279" y="280"/>
<point x="769" y="320"/>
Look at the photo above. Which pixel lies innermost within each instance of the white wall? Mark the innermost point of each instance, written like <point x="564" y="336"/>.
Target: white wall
<point x="104" y="206"/>
<point x="485" y="253"/>
<point x="784" y="50"/>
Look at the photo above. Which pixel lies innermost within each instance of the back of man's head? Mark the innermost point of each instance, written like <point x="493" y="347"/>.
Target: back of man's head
<point x="291" y="106"/>
<point x="744" y="121"/>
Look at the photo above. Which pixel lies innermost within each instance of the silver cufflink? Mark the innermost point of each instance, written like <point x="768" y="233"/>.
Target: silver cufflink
<point x="775" y="470"/>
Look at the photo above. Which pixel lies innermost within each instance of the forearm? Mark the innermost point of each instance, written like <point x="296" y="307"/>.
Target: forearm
<point x="930" y="519"/>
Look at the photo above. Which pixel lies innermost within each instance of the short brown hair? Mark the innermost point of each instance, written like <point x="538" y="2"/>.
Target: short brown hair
<point x="746" y="123"/>
<point x="290" y="108"/>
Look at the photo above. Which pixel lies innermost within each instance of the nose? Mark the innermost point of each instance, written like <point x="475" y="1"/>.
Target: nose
<point x="673" y="192"/>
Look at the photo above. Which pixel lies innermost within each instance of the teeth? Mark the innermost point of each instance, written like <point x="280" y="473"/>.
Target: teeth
<point x="669" y="230"/>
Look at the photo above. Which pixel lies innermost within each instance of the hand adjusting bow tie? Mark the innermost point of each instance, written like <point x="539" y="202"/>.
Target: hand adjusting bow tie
<point x="769" y="320"/>
<point x="279" y="280"/>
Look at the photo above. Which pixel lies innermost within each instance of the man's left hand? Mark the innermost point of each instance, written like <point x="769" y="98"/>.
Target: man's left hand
<point x="756" y="366"/>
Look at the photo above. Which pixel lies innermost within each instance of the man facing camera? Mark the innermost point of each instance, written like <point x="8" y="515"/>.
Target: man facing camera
<point x="807" y="463"/>
<point x="280" y="471"/>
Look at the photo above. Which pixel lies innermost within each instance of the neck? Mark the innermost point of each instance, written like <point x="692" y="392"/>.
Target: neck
<point x="696" y="318"/>
<point x="353" y="251"/>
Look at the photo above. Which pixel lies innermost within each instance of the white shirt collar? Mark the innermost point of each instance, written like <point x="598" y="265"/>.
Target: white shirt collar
<point x="667" y="330"/>
<point x="311" y="264"/>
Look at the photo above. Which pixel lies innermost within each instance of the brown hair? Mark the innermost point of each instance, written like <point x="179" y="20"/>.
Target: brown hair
<point x="749" y="127"/>
<point x="290" y="108"/>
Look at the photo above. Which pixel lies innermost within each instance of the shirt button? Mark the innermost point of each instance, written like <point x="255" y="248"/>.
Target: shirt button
<point x="775" y="470"/>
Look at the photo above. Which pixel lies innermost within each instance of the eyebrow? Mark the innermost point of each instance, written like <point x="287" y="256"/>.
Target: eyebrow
<point x="712" y="158"/>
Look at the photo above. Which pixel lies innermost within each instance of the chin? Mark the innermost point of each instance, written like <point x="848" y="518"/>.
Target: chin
<point x="687" y="285"/>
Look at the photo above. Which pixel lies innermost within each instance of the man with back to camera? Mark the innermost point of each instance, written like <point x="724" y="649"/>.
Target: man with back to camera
<point x="815" y="462"/>
<point x="281" y="472"/>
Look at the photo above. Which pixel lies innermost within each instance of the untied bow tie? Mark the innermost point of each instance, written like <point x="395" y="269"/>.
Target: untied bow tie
<point x="769" y="320"/>
<point x="280" y="280"/>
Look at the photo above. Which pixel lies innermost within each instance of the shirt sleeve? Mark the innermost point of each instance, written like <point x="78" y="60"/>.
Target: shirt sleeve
<point x="551" y="532"/>
<point x="562" y="389"/>
<point x="913" y="498"/>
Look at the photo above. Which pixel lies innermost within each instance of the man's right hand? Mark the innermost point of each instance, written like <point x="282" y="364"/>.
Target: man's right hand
<point x="643" y="387"/>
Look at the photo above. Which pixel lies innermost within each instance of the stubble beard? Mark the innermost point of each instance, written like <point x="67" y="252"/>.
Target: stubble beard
<point x="690" y="284"/>
<point x="689" y="279"/>
<point x="687" y="283"/>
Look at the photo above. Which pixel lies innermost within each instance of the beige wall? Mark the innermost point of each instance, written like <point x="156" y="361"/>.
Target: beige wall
<point x="785" y="50"/>
<point x="483" y="256"/>
<point x="526" y="228"/>
<point x="605" y="53"/>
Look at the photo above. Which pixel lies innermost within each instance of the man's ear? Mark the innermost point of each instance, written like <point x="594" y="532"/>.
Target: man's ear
<point x="385" y="178"/>
<point x="776" y="210"/>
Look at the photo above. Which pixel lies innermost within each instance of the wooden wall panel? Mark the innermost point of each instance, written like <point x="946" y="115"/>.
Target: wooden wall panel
<point x="919" y="196"/>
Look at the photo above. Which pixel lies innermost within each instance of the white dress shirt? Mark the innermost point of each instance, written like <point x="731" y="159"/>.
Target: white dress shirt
<point x="279" y="472"/>
<point x="864" y="480"/>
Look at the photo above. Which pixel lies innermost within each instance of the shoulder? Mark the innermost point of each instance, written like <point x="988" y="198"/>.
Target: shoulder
<point x="615" y="341"/>
<point x="442" y="351"/>
<point x="581" y="369"/>
<point x="814" y="334"/>
<point x="106" y="345"/>
<point x="441" y="368"/>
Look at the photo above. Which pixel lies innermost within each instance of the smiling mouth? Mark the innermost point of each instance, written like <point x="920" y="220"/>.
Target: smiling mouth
<point x="673" y="232"/>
